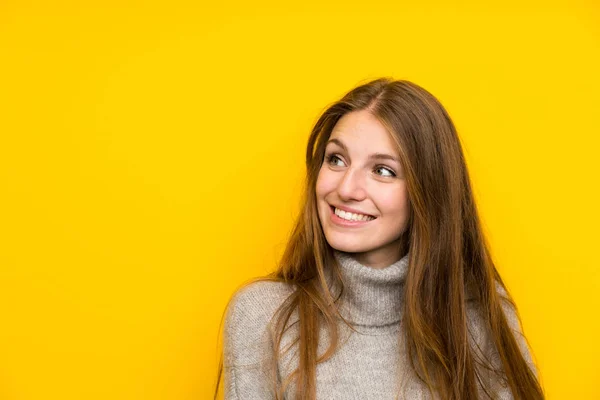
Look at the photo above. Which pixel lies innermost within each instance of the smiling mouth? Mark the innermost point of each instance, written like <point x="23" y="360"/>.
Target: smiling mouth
<point x="368" y="215"/>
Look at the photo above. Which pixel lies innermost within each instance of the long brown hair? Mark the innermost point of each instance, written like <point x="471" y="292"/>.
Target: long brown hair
<point x="450" y="265"/>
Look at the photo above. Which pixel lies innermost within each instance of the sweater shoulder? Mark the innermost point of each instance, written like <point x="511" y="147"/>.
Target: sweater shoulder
<point x="483" y="344"/>
<point x="248" y="315"/>
<point x="259" y="299"/>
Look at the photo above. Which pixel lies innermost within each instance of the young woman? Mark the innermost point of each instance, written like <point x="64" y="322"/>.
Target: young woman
<point x="386" y="288"/>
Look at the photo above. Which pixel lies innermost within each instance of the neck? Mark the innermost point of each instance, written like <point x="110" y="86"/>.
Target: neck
<point x="381" y="257"/>
<point x="371" y="296"/>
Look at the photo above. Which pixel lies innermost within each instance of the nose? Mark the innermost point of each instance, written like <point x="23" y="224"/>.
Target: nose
<point x="352" y="186"/>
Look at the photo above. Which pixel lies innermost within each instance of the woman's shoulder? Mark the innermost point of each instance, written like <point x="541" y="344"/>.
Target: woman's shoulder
<point x="248" y="316"/>
<point x="508" y="306"/>
<point x="481" y="335"/>
<point x="254" y="303"/>
<point x="259" y="296"/>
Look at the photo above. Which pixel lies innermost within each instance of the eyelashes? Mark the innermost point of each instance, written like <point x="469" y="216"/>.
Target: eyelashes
<point x="330" y="158"/>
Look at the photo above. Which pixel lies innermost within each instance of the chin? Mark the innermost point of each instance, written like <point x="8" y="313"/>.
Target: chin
<point x="348" y="246"/>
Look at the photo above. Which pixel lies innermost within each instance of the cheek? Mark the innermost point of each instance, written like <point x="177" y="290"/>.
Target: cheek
<point x="394" y="203"/>
<point x="325" y="184"/>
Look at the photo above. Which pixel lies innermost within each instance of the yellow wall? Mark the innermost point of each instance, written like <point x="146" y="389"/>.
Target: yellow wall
<point x="151" y="158"/>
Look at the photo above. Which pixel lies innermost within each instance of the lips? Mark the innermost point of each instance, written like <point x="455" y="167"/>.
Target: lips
<point x="350" y="210"/>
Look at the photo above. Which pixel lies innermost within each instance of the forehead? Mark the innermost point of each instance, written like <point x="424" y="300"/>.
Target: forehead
<point x="360" y="130"/>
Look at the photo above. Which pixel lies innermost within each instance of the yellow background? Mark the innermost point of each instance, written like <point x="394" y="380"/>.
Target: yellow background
<point x="151" y="160"/>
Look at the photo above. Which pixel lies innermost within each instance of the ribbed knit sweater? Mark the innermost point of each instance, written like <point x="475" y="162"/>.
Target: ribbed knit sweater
<point x="370" y="364"/>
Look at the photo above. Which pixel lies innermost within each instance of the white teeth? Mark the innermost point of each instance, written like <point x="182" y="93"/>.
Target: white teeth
<point x="351" y="216"/>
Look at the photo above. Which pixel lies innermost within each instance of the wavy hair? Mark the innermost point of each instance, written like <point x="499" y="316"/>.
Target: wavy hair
<point x="450" y="264"/>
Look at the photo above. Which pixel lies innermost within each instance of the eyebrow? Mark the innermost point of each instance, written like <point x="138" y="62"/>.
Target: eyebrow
<point x="374" y="156"/>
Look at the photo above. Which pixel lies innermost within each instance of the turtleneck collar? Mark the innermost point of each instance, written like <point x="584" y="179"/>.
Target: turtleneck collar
<point x="372" y="296"/>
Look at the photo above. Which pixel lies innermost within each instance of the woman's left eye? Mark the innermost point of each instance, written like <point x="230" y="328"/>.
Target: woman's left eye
<point x="392" y="174"/>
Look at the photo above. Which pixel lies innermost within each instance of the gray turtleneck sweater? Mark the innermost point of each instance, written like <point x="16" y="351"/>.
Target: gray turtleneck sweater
<point x="370" y="364"/>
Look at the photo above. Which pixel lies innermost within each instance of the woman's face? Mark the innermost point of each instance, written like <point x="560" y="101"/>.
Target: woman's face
<point x="358" y="176"/>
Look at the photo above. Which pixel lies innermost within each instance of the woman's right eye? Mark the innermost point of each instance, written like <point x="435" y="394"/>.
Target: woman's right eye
<point x="331" y="158"/>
